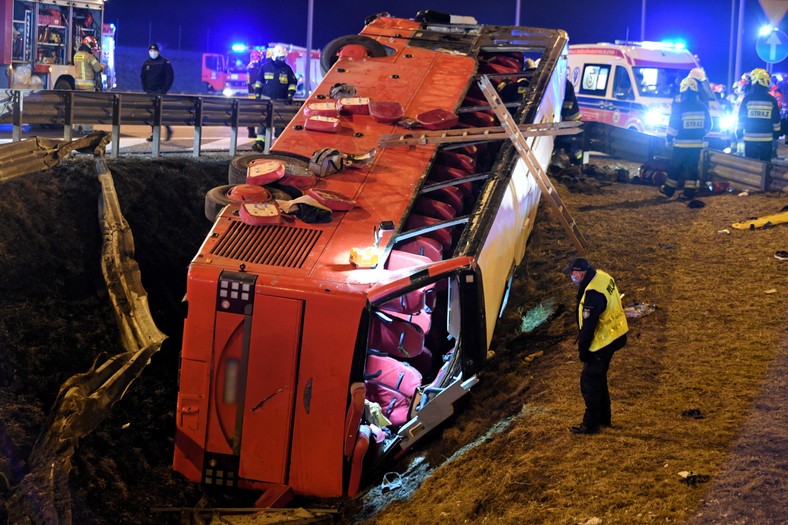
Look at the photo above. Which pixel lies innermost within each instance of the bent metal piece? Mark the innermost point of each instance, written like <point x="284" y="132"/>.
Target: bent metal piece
<point x="479" y="134"/>
<point x="86" y="399"/>
<point x="37" y="153"/>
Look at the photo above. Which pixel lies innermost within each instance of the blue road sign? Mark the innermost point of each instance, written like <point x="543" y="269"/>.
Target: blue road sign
<point x="772" y="48"/>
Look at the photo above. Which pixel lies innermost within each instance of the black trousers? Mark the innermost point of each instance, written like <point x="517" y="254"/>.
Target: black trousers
<point x="758" y="150"/>
<point x="684" y="170"/>
<point x="593" y="386"/>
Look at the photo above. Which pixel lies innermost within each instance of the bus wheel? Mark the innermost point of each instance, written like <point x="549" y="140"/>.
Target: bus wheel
<point x="371" y="48"/>
<point x="216" y="199"/>
<point x="236" y="173"/>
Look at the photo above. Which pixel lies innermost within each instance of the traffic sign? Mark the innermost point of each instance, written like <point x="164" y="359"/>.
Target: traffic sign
<point x="772" y="48"/>
<point x="774" y="10"/>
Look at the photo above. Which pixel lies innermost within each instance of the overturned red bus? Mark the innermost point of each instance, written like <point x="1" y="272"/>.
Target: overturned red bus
<point x="301" y="370"/>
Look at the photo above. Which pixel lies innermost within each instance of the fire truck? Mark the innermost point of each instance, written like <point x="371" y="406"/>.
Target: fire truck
<point x="39" y="40"/>
<point x="347" y="299"/>
<point x="226" y="74"/>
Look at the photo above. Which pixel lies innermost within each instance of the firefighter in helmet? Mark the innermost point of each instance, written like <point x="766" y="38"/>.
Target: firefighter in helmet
<point x="252" y="72"/>
<point x="88" y="68"/>
<point x="276" y="81"/>
<point x="689" y="123"/>
<point x="759" y="118"/>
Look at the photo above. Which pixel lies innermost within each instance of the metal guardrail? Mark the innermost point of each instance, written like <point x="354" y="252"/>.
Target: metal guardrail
<point x="745" y="173"/>
<point x="623" y="143"/>
<point x="69" y="108"/>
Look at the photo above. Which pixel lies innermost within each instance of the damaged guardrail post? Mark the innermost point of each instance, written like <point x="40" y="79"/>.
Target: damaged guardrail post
<point x="234" y="128"/>
<point x="197" y="127"/>
<point x="68" y="118"/>
<point x="116" y="107"/>
<point x="16" y="104"/>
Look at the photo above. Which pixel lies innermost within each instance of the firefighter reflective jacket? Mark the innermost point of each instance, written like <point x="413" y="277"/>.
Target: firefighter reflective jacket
<point x="689" y="123"/>
<point x="86" y="67"/>
<point x="276" y="80"/>
<point x="759" y="116"/>
<point x="613" y="320"/>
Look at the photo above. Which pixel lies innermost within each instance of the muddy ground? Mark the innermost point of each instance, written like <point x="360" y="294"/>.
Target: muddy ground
<point x="716" y="343"/>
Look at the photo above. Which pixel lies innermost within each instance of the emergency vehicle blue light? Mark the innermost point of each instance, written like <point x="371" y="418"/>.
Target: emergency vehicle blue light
<point x="677" y="44"/>
<point x="765" y="30"/>
<point x="238" y="48"/>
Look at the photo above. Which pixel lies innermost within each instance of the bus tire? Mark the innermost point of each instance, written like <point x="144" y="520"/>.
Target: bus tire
<point x="329" y="54"/>
<point x="216" y="199"/>
<point x="236" y="173"/>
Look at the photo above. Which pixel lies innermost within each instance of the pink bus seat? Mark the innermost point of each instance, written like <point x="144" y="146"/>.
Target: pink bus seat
<point x="357" y="461"/>
<point x="391" y="384"/>
<point x="455" y="159"/>
<point x="451" y="195"/>
<point x="353" y="416"/>
<point x="424" y="246"/>
<point x="441" y="173"/>
<point x="442" y="235"/>
<point x="434" y="208"/>
<point x="478" y="119"/>
<point x="394" y="336"/>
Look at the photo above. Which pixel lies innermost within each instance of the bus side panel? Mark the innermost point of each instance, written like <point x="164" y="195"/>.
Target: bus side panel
<point x="192" y="407"/>
<point x="270" y="389"/>
<point x="517" y="211"/>
<point x="331" y="325"/>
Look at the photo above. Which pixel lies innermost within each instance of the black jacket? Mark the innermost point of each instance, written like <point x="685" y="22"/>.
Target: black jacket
<point x="157" y="76"/>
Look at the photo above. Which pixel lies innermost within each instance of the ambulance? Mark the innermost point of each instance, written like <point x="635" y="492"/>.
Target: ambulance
<point x="633" y="84"/>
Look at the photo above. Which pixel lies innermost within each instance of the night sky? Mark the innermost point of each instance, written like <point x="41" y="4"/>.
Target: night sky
<point x="203" y="25"/>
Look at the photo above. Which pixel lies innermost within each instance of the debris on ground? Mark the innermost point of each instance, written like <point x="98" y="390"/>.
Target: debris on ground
<point x="636" y="310"/>
<point x="691" y="479"/>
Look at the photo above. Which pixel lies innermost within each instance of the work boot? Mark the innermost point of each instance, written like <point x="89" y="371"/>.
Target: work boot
<point x="149" y="139"/>
<point x="259" y="145"/>
<point x="667" y="191"/>
<point x="168" y="136"/>
<point x="582" y="428"/>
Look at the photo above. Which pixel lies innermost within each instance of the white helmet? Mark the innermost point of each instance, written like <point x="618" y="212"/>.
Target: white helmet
<point x="279" y="52"/>
<point x="689" y="83"/>
<point x="697" y="73"/>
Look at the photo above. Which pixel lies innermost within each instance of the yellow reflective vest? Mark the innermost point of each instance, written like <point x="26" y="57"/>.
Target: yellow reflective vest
<point x="612" y="321"/>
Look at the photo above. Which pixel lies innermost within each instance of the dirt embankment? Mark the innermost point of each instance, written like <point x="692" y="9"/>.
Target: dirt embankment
<point x="507" y="456"/>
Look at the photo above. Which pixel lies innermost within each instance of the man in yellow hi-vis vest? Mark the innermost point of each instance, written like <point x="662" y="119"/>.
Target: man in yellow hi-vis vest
<point x="603" y="330"/>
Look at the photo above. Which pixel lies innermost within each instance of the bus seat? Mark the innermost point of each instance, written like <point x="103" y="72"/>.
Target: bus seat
<point x="434" y="208"/>
<point x="442" y="235"/>
<point x="415" y="301"/>
<point x="394" y="336"/>
<point x="443" y="173"/>
<point x="424" y="246"/>
<point x="357" y="462"/>
<point x="391" y="384"/>
<point x="451" y="195"/>
<point x="456" y="159"/>
<point x="494" y="68"/>
<point x="478" y="119"/>
<point x="353" y="416"/>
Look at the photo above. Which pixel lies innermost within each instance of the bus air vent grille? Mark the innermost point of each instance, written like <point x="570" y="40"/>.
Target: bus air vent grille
<point x="274" y="245"/>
